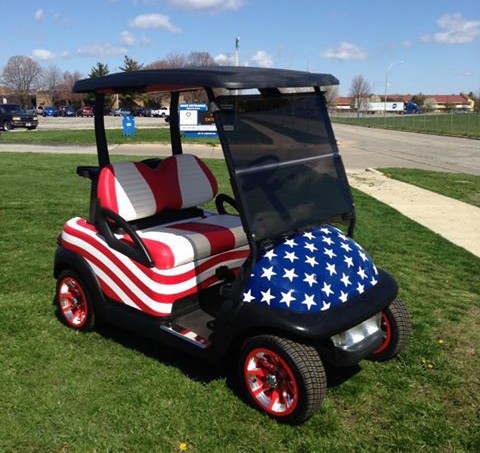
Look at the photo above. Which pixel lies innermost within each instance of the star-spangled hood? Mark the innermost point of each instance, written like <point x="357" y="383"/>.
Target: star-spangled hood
<point x="312" y="271"/>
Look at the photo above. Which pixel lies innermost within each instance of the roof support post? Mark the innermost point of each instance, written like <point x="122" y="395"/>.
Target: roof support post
<point x="175" y="138"/>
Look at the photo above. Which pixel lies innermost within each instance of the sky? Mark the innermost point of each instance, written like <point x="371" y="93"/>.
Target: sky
<point x="422" y="46"/>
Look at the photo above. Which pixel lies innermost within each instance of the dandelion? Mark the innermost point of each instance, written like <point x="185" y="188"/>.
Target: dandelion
<point x="440" y="341"/>
<point x="182" y="446"/>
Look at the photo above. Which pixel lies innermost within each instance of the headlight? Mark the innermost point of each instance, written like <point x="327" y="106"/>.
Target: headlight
<point x="16" y="118"/>
<point x="346" y="340"/>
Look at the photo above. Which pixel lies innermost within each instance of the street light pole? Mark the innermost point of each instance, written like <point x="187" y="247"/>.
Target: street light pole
<point x="391" y="65"/>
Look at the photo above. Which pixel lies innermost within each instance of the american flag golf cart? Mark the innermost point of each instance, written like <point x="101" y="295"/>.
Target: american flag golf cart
<point x="272" y="276"/>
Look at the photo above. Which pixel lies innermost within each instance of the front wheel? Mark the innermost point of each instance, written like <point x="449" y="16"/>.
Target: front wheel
<point x="7" y="126"/>
<point x="283" y="378"/>
<point x="396" y="325"/>
<point x="74" y="303"/>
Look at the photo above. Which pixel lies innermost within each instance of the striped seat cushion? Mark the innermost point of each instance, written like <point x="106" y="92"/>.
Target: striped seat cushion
<point x="189" y="241"/>
<point x="135" y="191"/>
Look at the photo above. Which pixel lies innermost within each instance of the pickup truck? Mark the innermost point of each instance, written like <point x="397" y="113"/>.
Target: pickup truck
<point x="162" y="112"/>
<point x="12" y="116"/>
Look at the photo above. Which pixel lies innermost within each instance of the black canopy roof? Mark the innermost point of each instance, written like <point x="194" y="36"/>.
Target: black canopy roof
<point x="229" y="77"/>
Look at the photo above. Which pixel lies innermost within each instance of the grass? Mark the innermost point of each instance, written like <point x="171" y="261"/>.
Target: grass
<point x="460" y="186"/>
<point x="466" y="125"/>
<point x="110" y="391"/>
<point x="87" y="137"/>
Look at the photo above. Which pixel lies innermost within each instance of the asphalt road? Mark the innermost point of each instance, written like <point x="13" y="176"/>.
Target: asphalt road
<point x="363" y="147"/>
<point x="360" y="147"/>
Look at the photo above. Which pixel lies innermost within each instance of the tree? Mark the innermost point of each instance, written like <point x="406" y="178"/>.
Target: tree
<point x="429" y="105"/>
<point x="99" y="70"/>
<point x="360" y="92"/>
<point x="21" y="76"/>
<point x="200" y="59"/>
<point x="128" y="100"/>
<point x="331" y="94"/>
<point x="51" y="83"/>
<point x="66" y="95"/>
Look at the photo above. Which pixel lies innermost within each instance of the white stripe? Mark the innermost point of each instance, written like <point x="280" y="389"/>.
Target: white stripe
<point x="134" y="196"/>
<point x="231" y="222"/>
<point x="195" y="187"/>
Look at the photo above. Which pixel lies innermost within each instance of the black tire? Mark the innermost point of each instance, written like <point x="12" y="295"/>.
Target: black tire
<point x="282" y="378"/>
<point x="7" y="126"/>
<point x="74" y="302"/>
<point x="397" y="328"/>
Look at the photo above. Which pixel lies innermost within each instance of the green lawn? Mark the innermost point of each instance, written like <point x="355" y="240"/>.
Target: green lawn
<point x="108" y="390"/>
<point x="461" y="186"/>
<point x="87" y="137"/>
<point x="464" y="125"/>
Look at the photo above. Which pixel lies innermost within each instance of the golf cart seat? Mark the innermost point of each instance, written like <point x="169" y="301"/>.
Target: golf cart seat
<point x="152" y="215"/>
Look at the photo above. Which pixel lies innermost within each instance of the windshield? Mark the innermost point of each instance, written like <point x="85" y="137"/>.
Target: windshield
<point x="286" y="164"/>
<point x="12" y="108"/>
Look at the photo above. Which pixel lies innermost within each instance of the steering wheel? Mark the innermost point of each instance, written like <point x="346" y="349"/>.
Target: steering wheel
<point x="221" y="200"/>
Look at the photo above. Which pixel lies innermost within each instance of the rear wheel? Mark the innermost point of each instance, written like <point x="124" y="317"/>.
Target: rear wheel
<point x="397" y="329"/>
<point x="283" y="378"/>
<point x="74" y="303"/>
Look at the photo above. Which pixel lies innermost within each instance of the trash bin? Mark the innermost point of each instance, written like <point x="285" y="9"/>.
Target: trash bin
<point x="128" y="125"/>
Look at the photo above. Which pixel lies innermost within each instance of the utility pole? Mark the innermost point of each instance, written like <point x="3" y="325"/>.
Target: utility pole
<point x="237" y="50"/>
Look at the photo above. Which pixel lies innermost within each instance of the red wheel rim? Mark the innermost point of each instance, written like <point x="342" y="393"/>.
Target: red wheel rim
<point x="270" y="381"/>
<point x="72" y="302"/>
<point x="387" y="329"/>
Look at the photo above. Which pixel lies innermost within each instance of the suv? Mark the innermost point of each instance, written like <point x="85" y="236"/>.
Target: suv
<point x="12" y="116"/>
<point x="162" y="112"/>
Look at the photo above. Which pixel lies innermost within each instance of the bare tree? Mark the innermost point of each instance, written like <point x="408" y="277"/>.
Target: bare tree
<point x="65" y="91"/>
<point x="21" y="76"/>
<point x="331" y="95"/>
<point x="360" y="92"/>
<point x="51" y="83"/>
<point x="200" y="59"/>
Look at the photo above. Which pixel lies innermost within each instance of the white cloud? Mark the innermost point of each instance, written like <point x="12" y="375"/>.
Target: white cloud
<point x="44" y="54"/>
<point x="154" y="21"/>
<point x="262" y="59"/>
<point x="101" y="50"/>
<point x="210" y="5"/>
<point x="345" y="51"/>
<point x="224" y="59"/>
<point x="39" y="14"/>
<point x="456" y="30"/>
<point x="127" y="38"/>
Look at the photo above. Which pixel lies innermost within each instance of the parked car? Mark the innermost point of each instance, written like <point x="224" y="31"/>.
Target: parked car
<point x="121" y="112"/>
<point x="86" y="110"/>
<point x="66" y="111"/>
<point x="272" y="278"/>
<point x="13" y="116"/>
<point x="50" y="111"/>
<point x="162" y="112"/>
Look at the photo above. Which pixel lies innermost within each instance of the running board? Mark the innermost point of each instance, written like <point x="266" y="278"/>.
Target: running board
<point x="186" y="334"/>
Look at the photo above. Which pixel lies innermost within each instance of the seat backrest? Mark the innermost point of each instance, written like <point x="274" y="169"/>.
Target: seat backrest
<point x="134" y="190"/>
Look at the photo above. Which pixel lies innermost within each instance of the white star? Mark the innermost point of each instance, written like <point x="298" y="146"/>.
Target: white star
<point x="247" y="297"/>
<point x="341" y="235"/>
<point x="268" y="273"/>
<point x="329" y="252"/>
<point x="343" y="296"/>
<point x="291" y="243"/>
<point x="345" y="279"/>
<point x="287" y="298"/>
<point x="345" y="247"/>
<point x="290" y="256"/>
<point x="309" y="301"/>
<point x="360" y="288"/>
<point x="311" y="260"/>
<point x="327" y="240"/>
<point x="325" y="231"/>
<point x="266" y="296"/>
<point x="362" y="255"/>
<point x="325" y="306"/>
<point x="373" y="282"/>
<point x="309" y="235"/>
<point x="331" y="268"/>
<point x="310" y="279"/>
<point x="290" y="274"/>
<point x="348" y="261"/>
<point x="361" y="273"/>
<point x="327" y="289"/>
<point x="310" y="247"/>
<point x="270" y="254"/>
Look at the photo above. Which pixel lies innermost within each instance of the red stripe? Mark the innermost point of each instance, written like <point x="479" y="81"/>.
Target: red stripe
<point x="220" y="238"/>
<point x="106" y="189"/>
<point x="170" y="183"/>
<point x="153" y="178"/>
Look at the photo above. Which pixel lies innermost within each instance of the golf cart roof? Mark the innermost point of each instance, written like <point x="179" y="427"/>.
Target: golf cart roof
<point x="229" y="77"/>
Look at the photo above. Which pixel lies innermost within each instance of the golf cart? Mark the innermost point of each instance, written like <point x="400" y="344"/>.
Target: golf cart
<point x="271" y="277"/>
